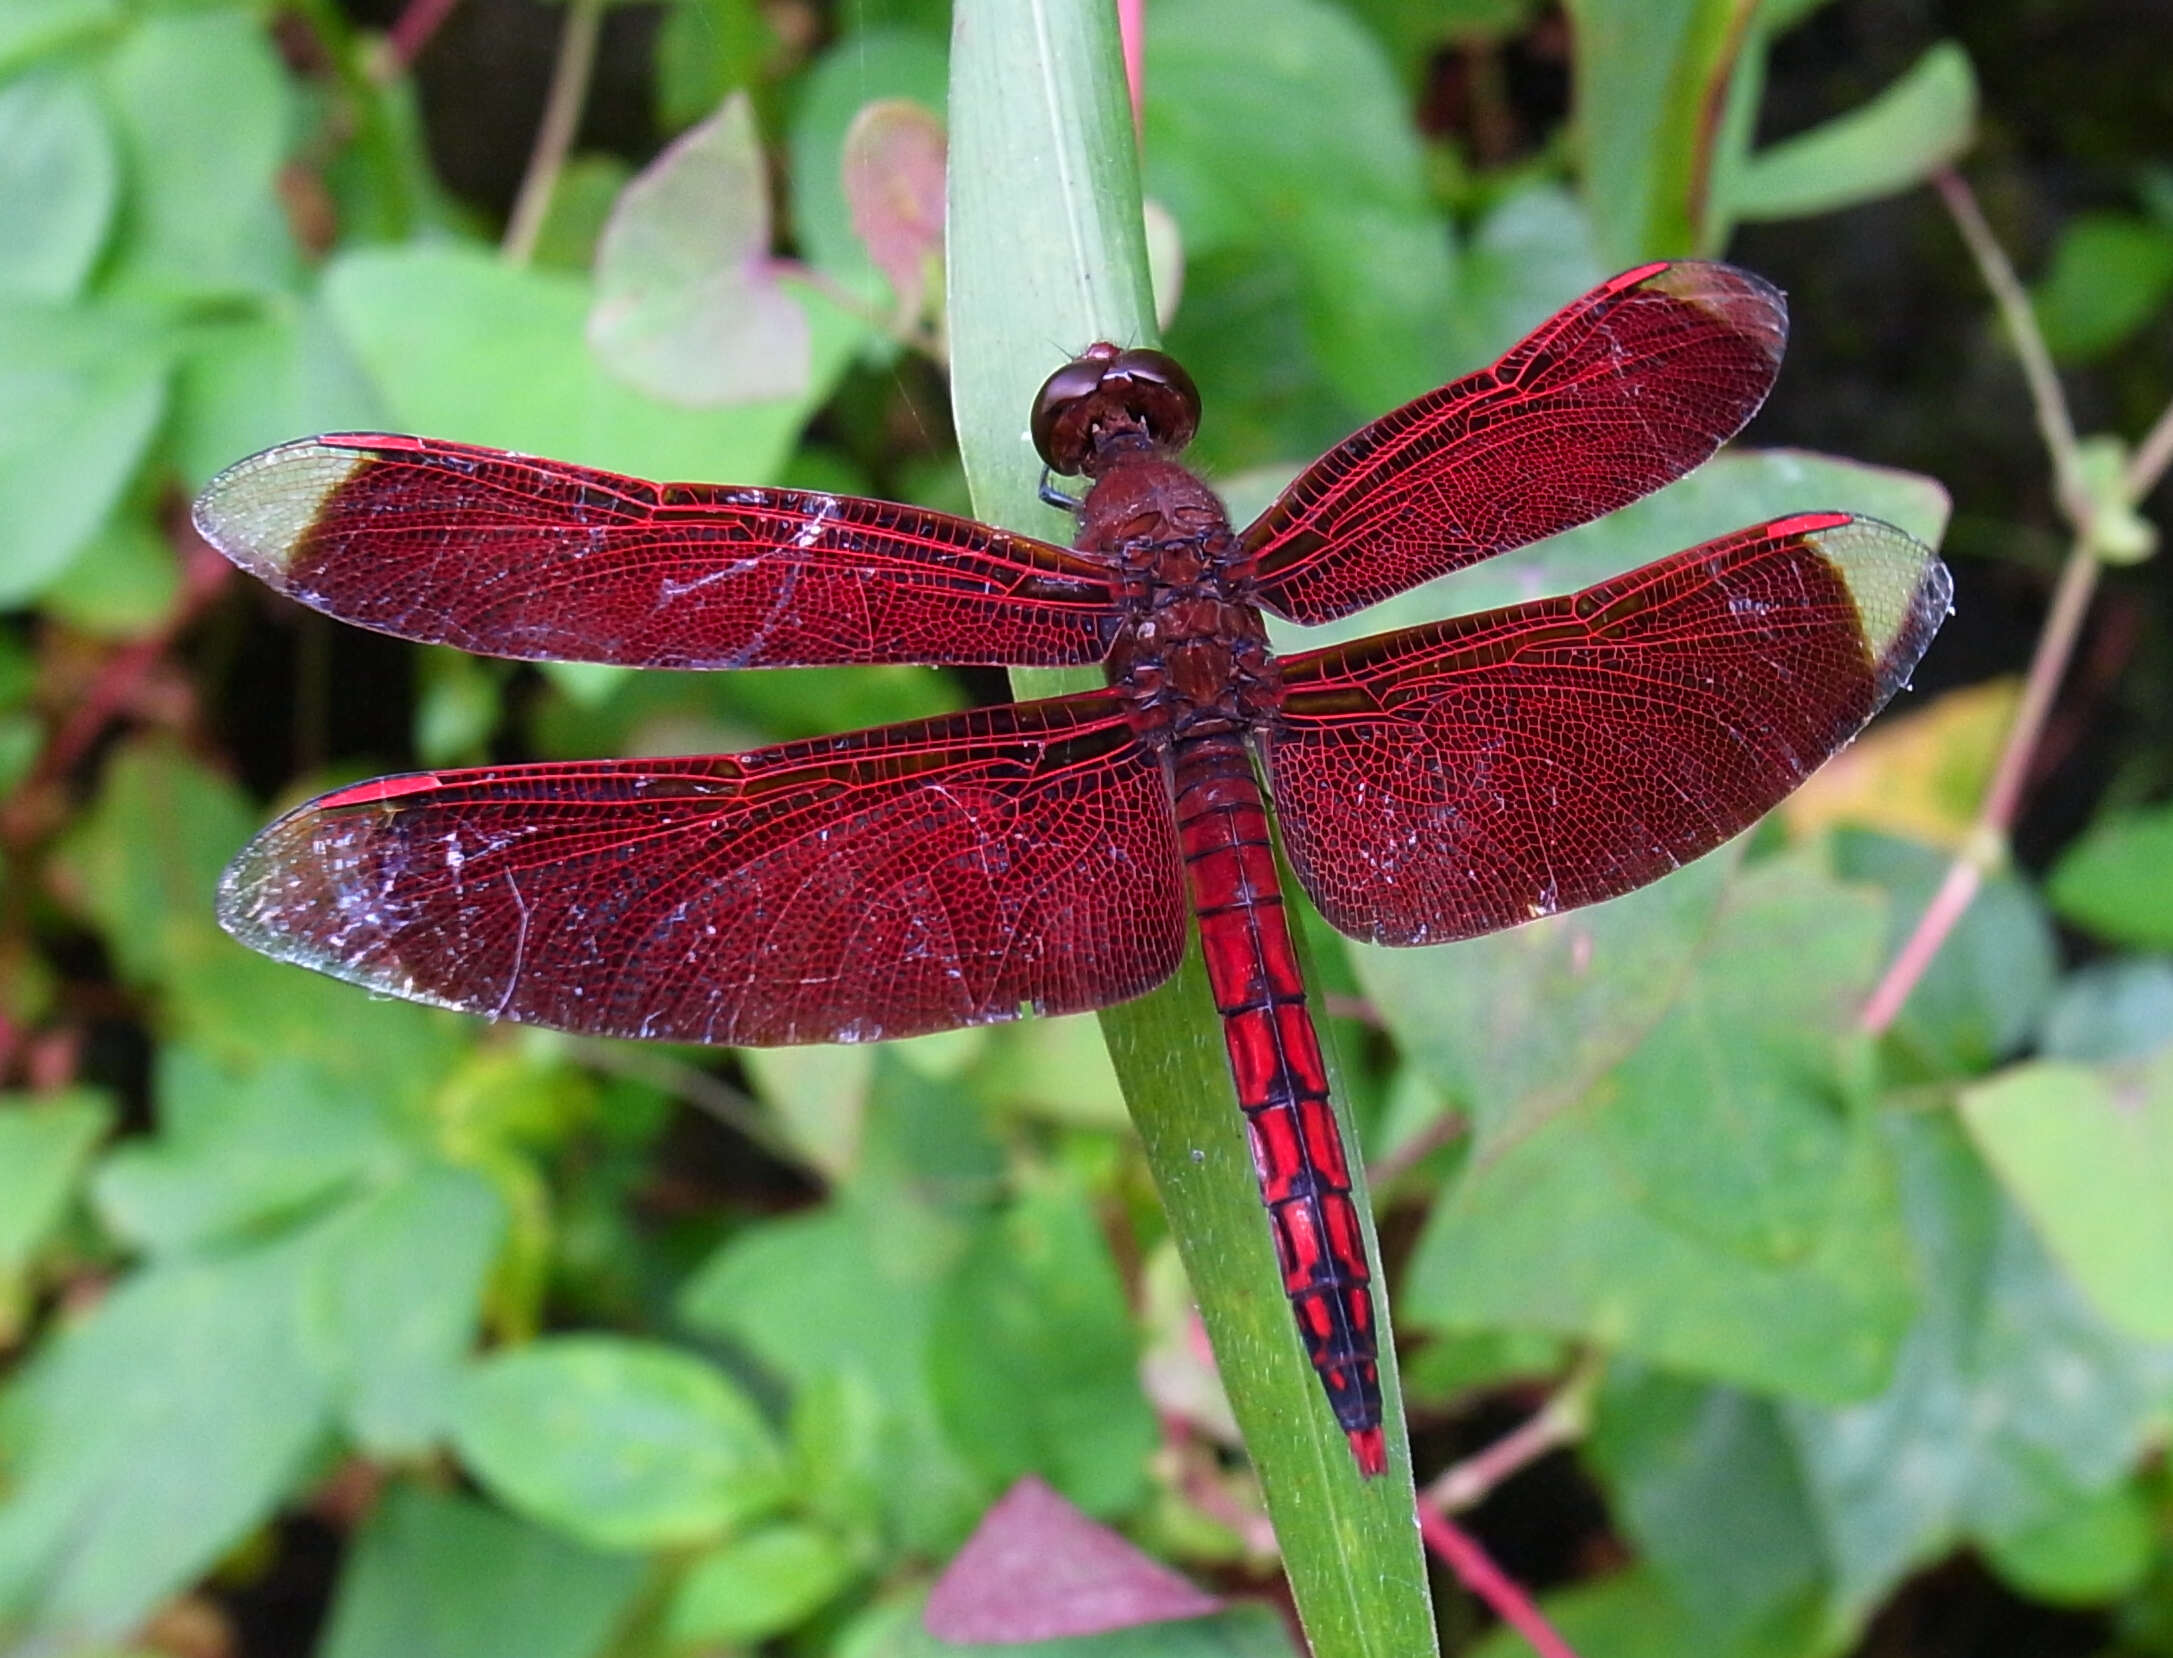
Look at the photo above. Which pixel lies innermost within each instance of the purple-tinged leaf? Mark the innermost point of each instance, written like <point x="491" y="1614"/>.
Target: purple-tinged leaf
<point x="688" y="306"/>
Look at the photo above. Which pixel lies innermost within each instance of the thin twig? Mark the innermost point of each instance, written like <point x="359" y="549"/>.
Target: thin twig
<point x="1359" y="1009"/>
<point x="555" y="132"/>
<point x="1562" y="1420"/>
<point x="1475" y="1568"/>
<point x="417" y="23"/>
<point x="203" y="574"/>
<point x="2050" y="403"/>
<point x="2152" y="456"/>
<point x="699" y="1089"/>
<point x="1984" y="849"/>
<point x="1399" y="1158"/>
<point x="927" y="341"/>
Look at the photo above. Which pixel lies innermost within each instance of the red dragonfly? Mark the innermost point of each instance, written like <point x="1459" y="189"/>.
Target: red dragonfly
<point x="1430" y="784"/>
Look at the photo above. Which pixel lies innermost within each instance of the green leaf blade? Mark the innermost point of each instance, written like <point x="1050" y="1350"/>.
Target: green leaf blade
<point x="1921" y="123"/>
<point x="1046" y="251"/>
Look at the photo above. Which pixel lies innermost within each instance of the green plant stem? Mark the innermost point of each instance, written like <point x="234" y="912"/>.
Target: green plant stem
<point x="555" y="132"/>
<point x="1046" y="251"/>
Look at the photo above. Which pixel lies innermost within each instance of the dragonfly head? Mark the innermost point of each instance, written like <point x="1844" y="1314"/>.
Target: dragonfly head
<point x="1107" y="402"/>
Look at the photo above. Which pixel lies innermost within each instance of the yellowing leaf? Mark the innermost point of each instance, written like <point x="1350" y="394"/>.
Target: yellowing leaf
<point x="1918" y="776"/>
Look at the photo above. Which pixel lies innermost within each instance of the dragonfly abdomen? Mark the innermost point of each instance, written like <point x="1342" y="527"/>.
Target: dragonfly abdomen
<point x="1282" y="1080"/>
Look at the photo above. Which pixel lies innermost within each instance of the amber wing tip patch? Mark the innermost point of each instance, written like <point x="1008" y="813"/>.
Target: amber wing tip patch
<point x="259" y="511"/>
<point x="1901" y="590"/>
<point x="1746" y="303"/>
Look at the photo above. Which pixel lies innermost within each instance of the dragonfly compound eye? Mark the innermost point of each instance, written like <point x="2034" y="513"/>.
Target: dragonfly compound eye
<point x="1106" y="392"/>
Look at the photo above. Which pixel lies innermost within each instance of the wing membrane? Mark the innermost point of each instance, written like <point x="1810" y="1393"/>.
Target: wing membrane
<point x="1625" y="390"/>
<point x="1452" y="780"/>
<point x="505" y="555"/>
<point x="883" y="883"/>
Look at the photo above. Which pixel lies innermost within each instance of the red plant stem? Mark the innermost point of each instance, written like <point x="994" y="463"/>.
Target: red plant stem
<point x="1562" y="1420"/>
<point x="1475" y="1568"/>
<point x="2152" y="456"/>
<point x="203" y="573"/>
<point x="1132" y="29"/>
<point x="2047" y="401"/>
<point x="412" y="31"/>
<point x="555" y="132"/>
<point x="1985" y="847"/>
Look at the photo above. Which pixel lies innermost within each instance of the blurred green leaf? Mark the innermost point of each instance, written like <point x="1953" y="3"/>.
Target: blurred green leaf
<point x="1056" y="1070"/>
<point x="870" y="65"/>
<point x="2113" y="880"/>
<point x="1758" y="1244"/>
<point x="704" y="50"/>
<point x="929" y="17"/>
<point x="1632" y="1615"/>
<point x="2110" y="274"/>
<point x="81" y="392"/>
<point x="1988" y="987"/>
<point x="151" y="1436"/>
<point x="247" y="1010"/>
<point x="1921" y="123"/>
<point x="1780" y="15"/>
<point x="757" y="1586"/>
<point x="1412" y="30"/>
<point x="837" y="1456"/>
<point x="688" y="308"/>
<point x="248" y="380"/>
<point x="1033" y="1360"/>
<point x="439" y="1576"/>
<point x="123" y="581"/>
<point x="1530" y="255"/>
<point x="458" y="707"/>
<point x="2089" y="1156"/>
<point x="618" y="1443"/>
<point x="846" y="1293"/>
<point x="1520" y="1025"/>
<point x="1705" y="1481"/>
<point x="1648" y="73"/>
<point x="202" y="216"/>
<point x="32" y="28"/>
<point x="236" y="1154"/>
<point x="1276" y="132"/>
<point x="2011" y="1401"/>
<point x="1447" y="1368"/>
<point x="580" y="206"/>
<point x="2092" y="1550"/>
<point x="458" y="342"/>
<point x="819" y="1096"/>
<point x="60" y="183"/>
<point x="144" y="863"/>
<point x="45" y="1144"/>
<point x="396" y="1301"/>
<point x="2105" y="1010"/>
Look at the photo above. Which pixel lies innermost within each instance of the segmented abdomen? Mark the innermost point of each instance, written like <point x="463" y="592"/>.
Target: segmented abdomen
<point x="1282" y="1082"/>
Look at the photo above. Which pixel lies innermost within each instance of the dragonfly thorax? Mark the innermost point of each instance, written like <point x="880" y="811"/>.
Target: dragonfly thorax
<point x="1193" y="653"/>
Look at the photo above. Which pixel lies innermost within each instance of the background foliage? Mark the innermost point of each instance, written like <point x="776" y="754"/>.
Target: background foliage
<point x="337" y="1324"/>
